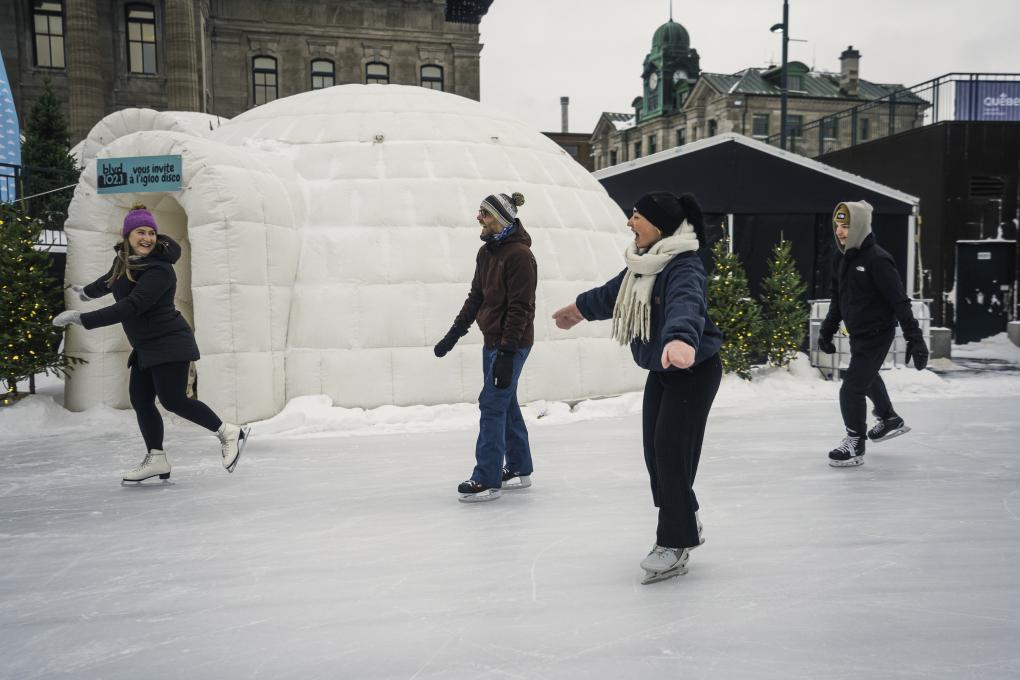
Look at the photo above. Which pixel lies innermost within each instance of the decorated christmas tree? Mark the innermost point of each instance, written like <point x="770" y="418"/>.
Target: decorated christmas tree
<point x="734" y="311"/>
<point x="28" y="341"/>
<point x="786" y="314"/>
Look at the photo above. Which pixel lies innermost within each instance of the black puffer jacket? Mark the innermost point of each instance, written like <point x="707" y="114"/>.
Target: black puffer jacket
<point x="867" y="294"/>
<point x="145" y="308"/>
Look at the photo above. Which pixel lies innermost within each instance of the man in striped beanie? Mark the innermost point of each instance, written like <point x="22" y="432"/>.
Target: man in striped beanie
<point x="502" y="303"/>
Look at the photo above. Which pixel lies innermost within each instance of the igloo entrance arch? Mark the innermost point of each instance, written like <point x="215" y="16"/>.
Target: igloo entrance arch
<point x="333" y="241"/>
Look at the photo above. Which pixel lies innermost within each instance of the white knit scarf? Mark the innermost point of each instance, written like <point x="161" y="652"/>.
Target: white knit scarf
<point x="632" y="313"/>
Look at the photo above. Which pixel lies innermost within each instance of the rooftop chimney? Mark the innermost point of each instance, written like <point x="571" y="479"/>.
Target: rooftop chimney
<point x="564" y="106"/>
<point x="849" y="78"/>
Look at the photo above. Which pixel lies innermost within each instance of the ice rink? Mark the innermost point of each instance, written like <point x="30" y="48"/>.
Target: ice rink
<point x="348" y="556"/>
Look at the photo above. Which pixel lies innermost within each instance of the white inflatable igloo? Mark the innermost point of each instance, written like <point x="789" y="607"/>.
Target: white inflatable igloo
<point x="329" y="241"/>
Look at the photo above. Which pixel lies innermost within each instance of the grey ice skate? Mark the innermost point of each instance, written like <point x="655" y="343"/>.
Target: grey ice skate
<point x="664" y="563"/>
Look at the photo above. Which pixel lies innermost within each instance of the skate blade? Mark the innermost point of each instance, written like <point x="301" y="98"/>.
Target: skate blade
<point x="892" y="435"/>
<point x="480" y="497"/>
<point x="163" y="481"/>
<point x="242" y="440"/>
<point x="655" y="577"/>
<point x="853" y="462"/>
<point x="516" y="483"/>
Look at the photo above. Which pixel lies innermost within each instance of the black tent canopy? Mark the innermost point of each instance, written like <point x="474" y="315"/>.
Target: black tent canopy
<point x="759" y="193"/>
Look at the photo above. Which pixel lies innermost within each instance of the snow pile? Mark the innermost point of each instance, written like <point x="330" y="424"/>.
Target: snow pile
<point x="998" y="347"/>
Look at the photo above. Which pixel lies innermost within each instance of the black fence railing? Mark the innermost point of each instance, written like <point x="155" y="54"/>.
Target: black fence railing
<point x="41" y="191"/>
<point x="953" y="96"/>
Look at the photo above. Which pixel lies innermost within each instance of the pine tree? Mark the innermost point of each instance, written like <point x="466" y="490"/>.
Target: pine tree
<point x="47" y="164"/>
<point x="28" y="341"/>
<point x="734" y="311"/>
<point x="785" y="313"/>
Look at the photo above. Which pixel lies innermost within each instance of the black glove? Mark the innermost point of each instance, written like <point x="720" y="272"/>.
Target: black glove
<point x="503" y="368"/>
<point x="826" y="345"/>
<point x="444" y="346"/>
<point x="918" y="351"/>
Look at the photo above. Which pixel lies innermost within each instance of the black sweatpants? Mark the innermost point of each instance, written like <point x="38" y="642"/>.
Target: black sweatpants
<point x="862" y="380"/>
<point x="674" y="414"/>
<point x="169" y="382"/>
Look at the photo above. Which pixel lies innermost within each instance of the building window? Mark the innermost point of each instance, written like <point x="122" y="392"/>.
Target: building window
<point x="377" y="73"/>
<point x="760" y="125"/>
<point x="637" y="149"/>
<point x="48" y="27"/>
<point x="323" y="74"/>
<point x="264" y="79"/>
<point x="793" y="83"/>
<point x="830" y="128"/>
<point x="612" y="157"/>
<point x="712" y="127"/>
<point x="793" y="124"/>
<point x="432" y="77"/>
<point x="681" y="136"/>
<point x="652" y="144"/>
<point x="141" y="33"/>
<point x="865" y="129"/>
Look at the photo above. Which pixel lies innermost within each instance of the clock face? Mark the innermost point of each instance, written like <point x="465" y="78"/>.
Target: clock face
<point x="678" y="76"/>
<point x="653" y="81"/>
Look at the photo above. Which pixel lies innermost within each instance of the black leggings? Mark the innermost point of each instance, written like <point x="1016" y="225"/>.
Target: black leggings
<point x="169" y="382"/>
<point x="674" y="414"/>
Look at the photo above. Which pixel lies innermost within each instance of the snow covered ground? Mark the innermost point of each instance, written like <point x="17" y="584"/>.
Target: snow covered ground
<point x="338" y="550"/>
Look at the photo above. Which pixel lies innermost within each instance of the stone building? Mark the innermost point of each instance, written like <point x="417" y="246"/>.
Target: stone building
<point x="226" y="56"/>
<point x="680" y="103"/>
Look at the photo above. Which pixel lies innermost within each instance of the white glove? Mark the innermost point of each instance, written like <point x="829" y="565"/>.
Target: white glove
<point x="67" y="318"/>
<point x="80" y="292"/>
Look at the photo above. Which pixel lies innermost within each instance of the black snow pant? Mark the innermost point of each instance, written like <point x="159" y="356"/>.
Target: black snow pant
<point x="862" y="380"/>
<point x="169" y="382"/>
<point x="674" y="414"/>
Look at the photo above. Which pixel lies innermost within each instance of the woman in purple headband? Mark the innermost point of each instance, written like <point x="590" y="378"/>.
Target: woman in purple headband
<point x="143" y="283"/>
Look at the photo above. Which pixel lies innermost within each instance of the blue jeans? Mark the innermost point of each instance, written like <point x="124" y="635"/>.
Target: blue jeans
<point x="502" y="434"/>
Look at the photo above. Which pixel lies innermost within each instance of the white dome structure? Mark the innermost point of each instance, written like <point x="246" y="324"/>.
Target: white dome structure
<point x="329" y="241"/>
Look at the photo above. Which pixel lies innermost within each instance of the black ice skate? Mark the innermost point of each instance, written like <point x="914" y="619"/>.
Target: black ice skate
<point x="887" y="428"/>
<point x="515" y="480"/>
<point x="476" y="492"/>
<point x="850" y="451"/>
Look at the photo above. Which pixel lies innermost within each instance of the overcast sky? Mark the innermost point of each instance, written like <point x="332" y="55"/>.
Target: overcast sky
<point x="592" y="50"/>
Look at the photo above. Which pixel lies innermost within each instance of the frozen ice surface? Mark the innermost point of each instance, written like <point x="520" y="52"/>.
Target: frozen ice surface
<point x="331" y="553"/>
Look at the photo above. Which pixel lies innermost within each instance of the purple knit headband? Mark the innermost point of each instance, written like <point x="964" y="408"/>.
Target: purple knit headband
<point x="140" y="217"/>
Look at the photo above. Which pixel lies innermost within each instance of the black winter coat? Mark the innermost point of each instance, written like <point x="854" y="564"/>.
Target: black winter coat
<point x="679" y="311"/>
<point x="145" y="308"/>
<point x="867" y="294"/>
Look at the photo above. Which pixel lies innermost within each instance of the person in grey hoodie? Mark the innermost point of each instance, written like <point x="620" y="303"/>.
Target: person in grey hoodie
<point x="868" y="297"/>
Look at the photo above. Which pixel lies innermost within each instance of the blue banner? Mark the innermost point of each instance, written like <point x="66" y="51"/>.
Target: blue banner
<point x="10" y="138"/>
<point x="138" y="174"/>
<point x="988" y="100"/>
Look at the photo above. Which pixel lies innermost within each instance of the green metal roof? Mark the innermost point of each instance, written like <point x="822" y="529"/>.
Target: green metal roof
<point x="813" y="84"/>
<point x="671" y="33"/>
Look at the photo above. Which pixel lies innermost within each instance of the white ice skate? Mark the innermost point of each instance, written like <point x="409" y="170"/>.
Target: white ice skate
<point x="663" y="563"/>
<point x="701" y="531"/>
<point x="154" y="463"/>
<point x="232" y="440"/>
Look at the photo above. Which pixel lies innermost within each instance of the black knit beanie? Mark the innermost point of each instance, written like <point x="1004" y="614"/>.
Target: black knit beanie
<point x="668" y="211"/>
<point x="503" y="207"/>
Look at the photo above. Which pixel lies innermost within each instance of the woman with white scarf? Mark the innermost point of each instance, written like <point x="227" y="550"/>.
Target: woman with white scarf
<point x="658" y="305"/>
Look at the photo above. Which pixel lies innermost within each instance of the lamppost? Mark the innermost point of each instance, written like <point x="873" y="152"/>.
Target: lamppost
<point x="785" y="28"/>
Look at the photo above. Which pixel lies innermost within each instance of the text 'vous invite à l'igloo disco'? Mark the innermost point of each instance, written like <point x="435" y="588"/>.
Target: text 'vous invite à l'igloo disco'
<point x="329" y="240"/>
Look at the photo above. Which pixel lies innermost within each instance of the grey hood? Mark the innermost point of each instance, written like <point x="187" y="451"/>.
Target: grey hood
<point x="860" y="224"/>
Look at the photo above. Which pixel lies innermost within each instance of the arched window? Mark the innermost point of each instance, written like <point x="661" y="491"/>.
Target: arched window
<point x="432" y="77"/>
<point x="263" y="74"/>
<point x="323" y="74"/>
<point x="48" y="31"/>
<point x="377" y="72"/>
<point x="141" y="38"/>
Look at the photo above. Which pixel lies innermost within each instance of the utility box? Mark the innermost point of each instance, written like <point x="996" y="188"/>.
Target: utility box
<point x="941" y="345"/>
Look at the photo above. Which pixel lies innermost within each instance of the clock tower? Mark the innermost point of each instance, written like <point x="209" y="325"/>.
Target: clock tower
<point x="669" y="71"/>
